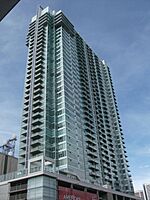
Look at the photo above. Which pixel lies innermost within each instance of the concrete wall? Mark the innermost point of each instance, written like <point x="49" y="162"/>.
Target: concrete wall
<point x="7" y="164"/>
<point x="4" y="192"/>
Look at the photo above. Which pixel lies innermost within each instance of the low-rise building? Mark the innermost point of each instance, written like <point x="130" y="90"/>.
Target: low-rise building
<point x="46" y="185"/>
<point x="7" y="163"/>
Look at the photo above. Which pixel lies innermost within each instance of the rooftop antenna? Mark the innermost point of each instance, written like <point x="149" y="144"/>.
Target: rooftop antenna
<point x="8" y="147"/>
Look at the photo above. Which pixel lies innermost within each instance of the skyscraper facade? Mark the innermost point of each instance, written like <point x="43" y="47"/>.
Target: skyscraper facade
<point x="140" y="193"/>
<point x="146" y="188"/>
<point x="70" y="118"/>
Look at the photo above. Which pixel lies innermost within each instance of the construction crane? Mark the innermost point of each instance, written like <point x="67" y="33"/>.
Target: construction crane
<point x="9" y="147"/>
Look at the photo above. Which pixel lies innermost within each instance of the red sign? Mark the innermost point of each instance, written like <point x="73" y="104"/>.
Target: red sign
<point x="72" y="194"/>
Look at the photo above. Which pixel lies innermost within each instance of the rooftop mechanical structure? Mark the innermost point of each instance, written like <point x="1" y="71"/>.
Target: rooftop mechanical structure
<point x="9" y="147"/>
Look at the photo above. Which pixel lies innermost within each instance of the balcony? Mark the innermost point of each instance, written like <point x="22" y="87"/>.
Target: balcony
<point x="92" y="154"/>
<point x="38" y="135"/>
<point x="26" y="102"/>
<point x="89" y="127"/>
<point x="93" y="167"/>
<point x="92" y="160"/>
<point x="106" y="161"/>
<point x="36" y="149"/>
<point x="37" y="122"/>
<point x="40" y="54"/>
<point x="37" y="109"/>
<point x="37" y="97"/>
<point x="25" y="113"/>
<point x="91" y="148"/>
<point x="39" y="50"/>
<point x="37" y="103"/>
<point x="28" y="81"/>
<point x="23" y="146"/>
<point x="40" y="32"/>
<point x="37" y="115"/>
<point x="22" y="153"/>
<point x="39" y="80"/>
<point x="91" y="141"/>
<point x="26" y="108"/>
<point x="22" y="139"/>
<point x="27" y="85"/>
<point x="37" y="91"/>
<point x="26" y="96"/>
<point x="24" y="126"/>
<point x="35" y="143"/>
<point x="21" y="160"/>
<point x="40" y="42"/>
<point x="89" y="134"/>
<point x="30" y="62"/>
<point x="24" y="120"/>
<point x="94" y="174"/>
<point x="36" y="128"/>
<point x="27" y="91"/>
<point x="28" y="77"/>
<point x="38" y="86"/>
<point x="39" y="75"/>
<point x="24" y="132"/>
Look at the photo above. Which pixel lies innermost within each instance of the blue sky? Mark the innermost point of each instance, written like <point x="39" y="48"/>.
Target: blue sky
<point x="119" y="32"/>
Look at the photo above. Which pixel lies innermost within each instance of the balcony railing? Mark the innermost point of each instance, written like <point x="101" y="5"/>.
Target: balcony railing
<point x="23" y="173"/>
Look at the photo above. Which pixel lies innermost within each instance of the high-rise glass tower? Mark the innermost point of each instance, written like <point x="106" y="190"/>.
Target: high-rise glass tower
<point x="70" y="116"/>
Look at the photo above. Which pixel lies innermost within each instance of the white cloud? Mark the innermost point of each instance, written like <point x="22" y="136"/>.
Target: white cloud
<point x="144" y="166"/>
